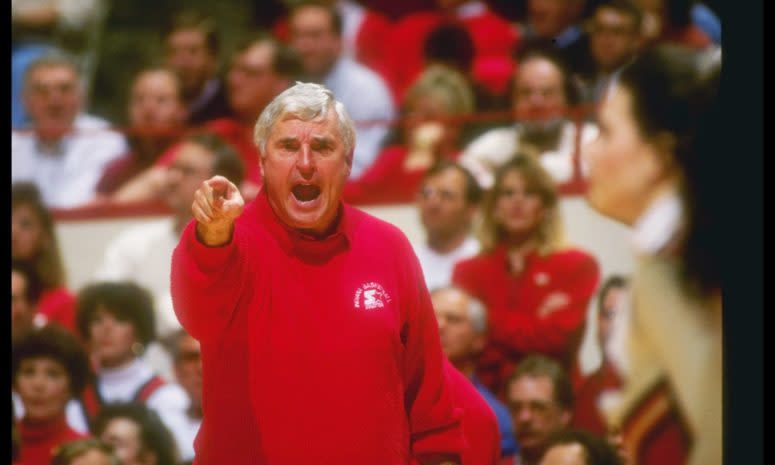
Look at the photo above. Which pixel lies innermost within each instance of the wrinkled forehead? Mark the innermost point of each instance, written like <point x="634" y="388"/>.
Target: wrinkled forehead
<point x="293" y="125"/>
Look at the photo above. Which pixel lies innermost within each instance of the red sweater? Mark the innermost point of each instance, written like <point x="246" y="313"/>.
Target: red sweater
<point x="513" y="302"/>
<point x="314" y="351"/>
<point x="480" y="426"/>
<point x="39" y="440"/>
<point x="386" y="181"/>
<point x="57" y="305"/>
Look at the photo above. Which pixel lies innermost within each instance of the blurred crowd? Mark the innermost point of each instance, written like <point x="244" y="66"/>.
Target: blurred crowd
<point x="483" y="122"/>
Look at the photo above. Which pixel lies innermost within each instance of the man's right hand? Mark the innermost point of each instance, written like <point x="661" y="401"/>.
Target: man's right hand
<point x="217" y="204"/>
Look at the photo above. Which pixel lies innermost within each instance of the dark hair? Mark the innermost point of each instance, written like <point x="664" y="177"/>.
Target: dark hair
<point x="125" y="300"/>
<point x="613" y="281"/>
<point x="56" y="343"/>
<point x="535" y="365"/>
<point x="34" y="285"/>
<point x="154" y="435"/>
<point x="597" y="450"/>
<point x="473" y="192"/>
<point x="192" y="19"/>
<point x="451" y="44"/>
<point x="546" y="50"/>
<point x="336" y="18"/>
<point x="625" y="7"/>
<point x="226" y="162"/>
<point x="285" y="60"/>
<point x="69" y="451"/>
<point x="48" y="262"/>
<point x="673" y="91"/>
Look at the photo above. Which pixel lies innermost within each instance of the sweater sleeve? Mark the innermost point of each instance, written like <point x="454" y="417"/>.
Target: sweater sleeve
<point x="206" y="282"/>
<point x="527" y="331"/>
<point x="435" y="424"/>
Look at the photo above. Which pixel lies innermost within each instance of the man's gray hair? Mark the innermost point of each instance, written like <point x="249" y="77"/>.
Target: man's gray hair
<point x="53" y="58"/>
<point x="477" y="312"/>
<point x="305" y="101"/>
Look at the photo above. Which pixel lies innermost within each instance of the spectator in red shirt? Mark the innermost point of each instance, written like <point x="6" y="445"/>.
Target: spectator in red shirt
<point x="429" y="133"/>
<point x="536" y="289"/>
<point x="319" y="309"/>
<point x="33" y="239"/>
<point x="540" y="396"/>
<point x="191" y="46"/>
<point x="157" y="115"/>
<point x="49" y="367"/>
<point x="587" y="414"/>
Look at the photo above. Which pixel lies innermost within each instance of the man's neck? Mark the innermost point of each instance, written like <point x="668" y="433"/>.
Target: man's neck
<point x="530" y="456"/>
<point x="446" y="244"/>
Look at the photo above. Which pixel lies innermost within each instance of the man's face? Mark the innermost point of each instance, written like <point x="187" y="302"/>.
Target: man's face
<point x="188" y="368"/>
<point x="534" y="411"/>
<point x="155" y="102"/>
<point x="612" y="301"/>
<point x="539" y="96"/>
<point x="459" y="339"/>
<point x="192" y="166"/>
<point x="305" y="170"/>
<point x="550" y="17"/>
<point x="314" y="38"/>
<point x="614" y="38"/>
<point x="124" y="435"/>
<point x="252" y="82"/>
<point x="444" y="210"/>
<point x="53" y="98"/>
<point x="22" y="310"/>
<point x="187" y="53"/>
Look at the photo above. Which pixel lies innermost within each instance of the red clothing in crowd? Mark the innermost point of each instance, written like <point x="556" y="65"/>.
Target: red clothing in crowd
<point x="480" y="427"/>
<point x="513" y="302"/>
<point x="57" y="305"/>
<point x="40" y="440"/>
<point x="314" y="351"/>
<point x="494" y="38"/>
<point x="386" y="181"/>
<point x="236" y="134"/>
<point x="587" y="414"/>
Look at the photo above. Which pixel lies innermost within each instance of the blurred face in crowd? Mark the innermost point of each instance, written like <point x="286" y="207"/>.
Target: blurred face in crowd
<point x="44" y="387"/>
<point x="459" y="339"/>
<point x="534" y="411"/>
<point x="625" y="170"/>
<point x="519" y="209"/>
<point x="305" y="170"/>
<point x="111" y="339"/>
<point x="22" y="310"/>
<point x="27" y="235"/>
<point x="155" y="101"/>
<point x="549" y="18"/>
<point x="611" y="305"/>
<point x="187" y="53"/>
<point x="565" y="454"/>
<point x="92" y="457"/>
<point x="124" y="435"/>
<point x="444" y="211"/>
<point x="613" y="39"/>
<point x="252" y="81"/>
<point x="314" y="38"/>
<point x="188" y="368"/>
<point x="432" y="109"/>
<point x="539" y="96"/>
<point x="52" y="96"/>
<point x="193" y="165"/>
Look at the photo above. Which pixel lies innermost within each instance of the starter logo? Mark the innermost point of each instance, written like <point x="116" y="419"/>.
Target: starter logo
<point x="371" y="296"/>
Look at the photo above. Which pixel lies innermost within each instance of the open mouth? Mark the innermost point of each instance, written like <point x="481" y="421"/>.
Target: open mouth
<point x="305" y="192"/>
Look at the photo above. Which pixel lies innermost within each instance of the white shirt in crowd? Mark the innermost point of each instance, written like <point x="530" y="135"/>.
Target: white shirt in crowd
<point x="367" y="98"/>
<point x="67" y="172"/>
<point x="437" y="268"/>
<point x="497" y="146"/>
